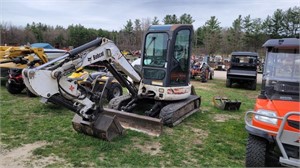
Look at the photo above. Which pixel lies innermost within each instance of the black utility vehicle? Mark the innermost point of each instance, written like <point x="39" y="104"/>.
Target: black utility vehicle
<point x="243" y="69"/>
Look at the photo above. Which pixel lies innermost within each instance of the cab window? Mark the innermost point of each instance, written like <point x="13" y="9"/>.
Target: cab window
<point x="155" y="49"/>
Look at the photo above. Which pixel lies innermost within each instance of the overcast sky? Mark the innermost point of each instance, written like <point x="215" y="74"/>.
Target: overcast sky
<point x="113" y="14"/>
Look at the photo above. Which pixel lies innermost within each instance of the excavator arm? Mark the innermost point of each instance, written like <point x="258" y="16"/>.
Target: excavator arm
<point x="54" y="74"/>
<point x="51" y="82"/>
<point x="21" y="56"/>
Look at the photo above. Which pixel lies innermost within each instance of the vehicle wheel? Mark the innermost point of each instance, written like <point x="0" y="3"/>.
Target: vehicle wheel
<point x="29" y="93"/>
<point x="4" y="73"/>
<point x="114" y="91"/>
<point x="13" y="89"/>
<point x="117" y="102"/>
<point x="204" y="74"/>
<point x="253" y="86"/>
<point x="210" y="76"/>
<point x="256" y="151"/>
<point x="192" y="76"/>
<point x="228" y="83"/>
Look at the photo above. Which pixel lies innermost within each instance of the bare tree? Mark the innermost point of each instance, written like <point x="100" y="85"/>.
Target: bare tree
<point x="138" y="34"/>
<point x="12" y="35"/>
<point x="146" y="22"/>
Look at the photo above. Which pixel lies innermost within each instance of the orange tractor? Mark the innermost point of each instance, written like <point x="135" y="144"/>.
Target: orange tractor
<point x="202" y="69"/>
<point x="274" y="125"/>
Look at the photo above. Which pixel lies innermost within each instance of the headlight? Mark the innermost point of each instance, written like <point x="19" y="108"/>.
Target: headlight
<point x="266" y="116"/>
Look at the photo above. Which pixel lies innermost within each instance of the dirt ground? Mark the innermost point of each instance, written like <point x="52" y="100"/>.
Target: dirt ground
<point x="22" y="157"/>
<point x="225" y="117"/>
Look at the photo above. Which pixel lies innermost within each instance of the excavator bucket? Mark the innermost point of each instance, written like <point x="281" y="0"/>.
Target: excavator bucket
<point x="105" y="127"/>
<point x="224" y="103"/>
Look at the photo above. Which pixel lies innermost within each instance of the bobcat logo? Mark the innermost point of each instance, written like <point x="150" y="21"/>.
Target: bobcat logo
<point x="97" y="56"/>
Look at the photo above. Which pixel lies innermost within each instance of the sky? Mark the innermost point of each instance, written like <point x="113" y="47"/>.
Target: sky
<point x="114" y="14"/>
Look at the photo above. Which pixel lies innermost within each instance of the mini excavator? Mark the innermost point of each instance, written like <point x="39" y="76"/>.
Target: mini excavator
<point x="160" y="92"/>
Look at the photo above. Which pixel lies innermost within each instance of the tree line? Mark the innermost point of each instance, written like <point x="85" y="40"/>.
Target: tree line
<point x="245" y="33"/>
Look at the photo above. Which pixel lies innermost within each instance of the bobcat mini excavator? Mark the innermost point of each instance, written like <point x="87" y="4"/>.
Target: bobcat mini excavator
<point x="161" y="85"/>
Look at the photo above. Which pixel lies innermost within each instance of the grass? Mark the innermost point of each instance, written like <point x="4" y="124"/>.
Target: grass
<point x="199" y="141"/>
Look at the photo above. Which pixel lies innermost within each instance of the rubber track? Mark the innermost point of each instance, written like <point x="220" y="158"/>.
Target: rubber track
<point x="170" y="114"/>
<point x="173" y="112"/>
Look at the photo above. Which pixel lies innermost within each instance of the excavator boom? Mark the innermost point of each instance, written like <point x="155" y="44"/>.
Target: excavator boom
<point x="91" y="118"/>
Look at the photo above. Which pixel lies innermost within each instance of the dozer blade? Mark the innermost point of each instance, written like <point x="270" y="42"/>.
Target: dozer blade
<point x="105" y="127"/>
<point x="148" y="125"/>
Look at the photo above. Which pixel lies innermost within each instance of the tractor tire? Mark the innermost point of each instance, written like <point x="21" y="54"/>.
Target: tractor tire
<point x="117" y="102"/>
<point x="14" y="89"/>
<point x="253" y="85"/>
<point x="29" y="93"/>
<point x="115" y="90"/>
<point x="204" y="73"/>
<point x="192" y="76"/>
<point x="228" y="83"/>
<point x="256" y="152"/>
<point x="210" y="76"/>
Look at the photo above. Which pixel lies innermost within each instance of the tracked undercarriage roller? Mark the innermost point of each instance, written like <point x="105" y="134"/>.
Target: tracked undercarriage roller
<point x="171" y="114"/>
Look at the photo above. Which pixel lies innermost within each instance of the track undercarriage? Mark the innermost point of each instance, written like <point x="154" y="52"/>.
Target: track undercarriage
<point x="143" y="115"/>
<point x="170" y="112"/>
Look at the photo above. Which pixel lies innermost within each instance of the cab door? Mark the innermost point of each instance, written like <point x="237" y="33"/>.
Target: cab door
<point x="179" y="58"/>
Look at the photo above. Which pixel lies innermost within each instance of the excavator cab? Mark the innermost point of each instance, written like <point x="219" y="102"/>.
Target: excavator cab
<point x="165" y="61"/>
<point x="165" y="91"/>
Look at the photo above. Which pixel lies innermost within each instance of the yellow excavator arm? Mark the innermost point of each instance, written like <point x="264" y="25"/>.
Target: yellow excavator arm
<point x="18" y="57"/>
<point x="40" y="53"/>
